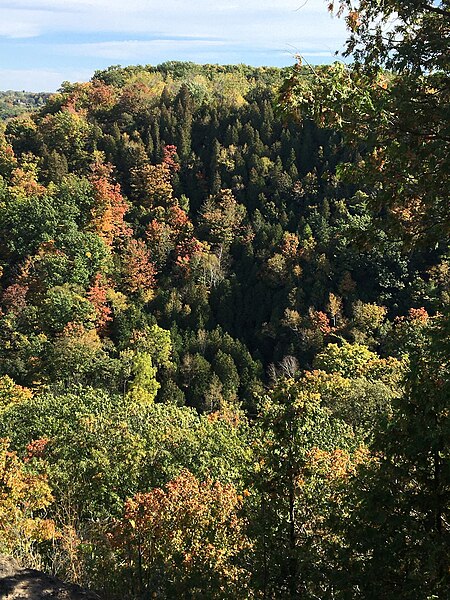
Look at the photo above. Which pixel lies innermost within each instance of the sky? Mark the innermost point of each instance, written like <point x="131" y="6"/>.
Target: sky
<point x="46" y="42"/>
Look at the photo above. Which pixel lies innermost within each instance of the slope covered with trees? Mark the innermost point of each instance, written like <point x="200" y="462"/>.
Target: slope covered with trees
<point x="219" y="314"/>
<point x="13" y="103"/>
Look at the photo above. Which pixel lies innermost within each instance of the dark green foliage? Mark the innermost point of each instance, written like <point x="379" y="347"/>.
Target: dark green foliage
<point x="401" y="499"/>
<point x="192" y="285"/>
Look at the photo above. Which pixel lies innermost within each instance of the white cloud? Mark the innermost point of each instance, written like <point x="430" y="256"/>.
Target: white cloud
<point x="151" y="31"/>
<point x="138" y="49"/>
<point x="155" y="5"/>
<point x="13" y="26"/>
<point x="39" y="80"/>
<point x="271" y="20"/>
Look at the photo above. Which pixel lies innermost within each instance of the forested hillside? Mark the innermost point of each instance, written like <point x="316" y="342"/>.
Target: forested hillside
<point x="175" y="198"/>
<point x="212" y="340"/>
<point x="13" y="104"/>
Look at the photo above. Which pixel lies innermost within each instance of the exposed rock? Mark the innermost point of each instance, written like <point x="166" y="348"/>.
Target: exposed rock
<point x="17" y="583"/>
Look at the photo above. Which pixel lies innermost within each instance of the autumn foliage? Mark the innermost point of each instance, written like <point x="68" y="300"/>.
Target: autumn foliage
<point x="24" y="495"/>
<point x="217" y="367"/>
<point x="186" y="537"/>
<point x="139" y="272"/>
<point x="109" y="207"/>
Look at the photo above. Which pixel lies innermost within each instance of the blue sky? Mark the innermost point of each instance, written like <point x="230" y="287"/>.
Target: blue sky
<point x="44" y="42"/>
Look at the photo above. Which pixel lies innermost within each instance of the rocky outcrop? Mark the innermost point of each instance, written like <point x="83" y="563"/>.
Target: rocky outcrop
<point x="18" y="583"/>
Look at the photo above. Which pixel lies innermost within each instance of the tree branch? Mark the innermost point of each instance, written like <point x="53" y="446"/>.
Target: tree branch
<point x="435" y="9"/>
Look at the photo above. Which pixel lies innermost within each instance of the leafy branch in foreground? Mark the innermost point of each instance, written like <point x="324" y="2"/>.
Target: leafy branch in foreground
<point x="392" y="103"/>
